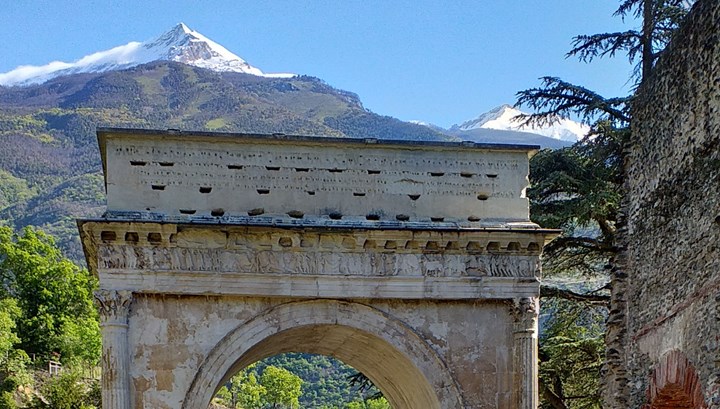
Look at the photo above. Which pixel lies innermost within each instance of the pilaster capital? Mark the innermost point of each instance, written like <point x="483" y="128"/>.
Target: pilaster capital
<point x="114" y="306"/>
<point x="525" y="313"/>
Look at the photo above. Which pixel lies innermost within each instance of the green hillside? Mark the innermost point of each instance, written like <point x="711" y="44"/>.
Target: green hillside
<point x="50" y="163"/>
<point x="326" y="381"/>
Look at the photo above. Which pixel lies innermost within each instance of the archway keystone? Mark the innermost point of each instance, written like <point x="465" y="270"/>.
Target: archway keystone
<point x="416" y="263"/>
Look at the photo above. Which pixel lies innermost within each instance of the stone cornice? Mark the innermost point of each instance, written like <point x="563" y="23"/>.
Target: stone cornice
<point x="459" y="241"/>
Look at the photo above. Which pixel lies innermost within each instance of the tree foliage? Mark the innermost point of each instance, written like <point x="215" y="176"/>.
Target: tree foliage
<point x="325" y="385"/>
<point x="13" y="361"/>
<point x="243" y="390"/>
<point x="374" y="403"/>
<point x="67" y="391"/>
<point x="327" y="382"/>
<point x="46" y="312"/>
<point x="54" y="312"/>
<point x="273" y="387"/>
<point x="9" y="312"/>
<point x="571" y="352"/>
<point x="282" y="388"/>
<point x="578" y="189"/>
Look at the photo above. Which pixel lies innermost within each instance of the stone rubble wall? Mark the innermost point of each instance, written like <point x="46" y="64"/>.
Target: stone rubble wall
<point x="673" y="211"/>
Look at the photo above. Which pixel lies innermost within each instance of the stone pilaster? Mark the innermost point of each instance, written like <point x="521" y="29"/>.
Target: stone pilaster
<point x="525" y="331"/>
<point x="114" y="307"/>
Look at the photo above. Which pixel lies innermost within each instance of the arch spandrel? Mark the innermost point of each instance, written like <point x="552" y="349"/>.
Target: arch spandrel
<point x="391" y="354"/>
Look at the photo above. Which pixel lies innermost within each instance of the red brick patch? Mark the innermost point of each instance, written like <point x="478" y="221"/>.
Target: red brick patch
<point x="674" y="384"/>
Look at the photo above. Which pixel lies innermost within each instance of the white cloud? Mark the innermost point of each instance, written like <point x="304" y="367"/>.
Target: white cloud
<point x="130" y="53"/>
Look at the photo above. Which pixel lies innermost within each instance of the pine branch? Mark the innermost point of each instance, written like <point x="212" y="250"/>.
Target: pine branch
<point x="556" y="98"/>
<point x="581" y="242"/>
<point x="363" y="384"/>
<point x="589" y="298"/>
<point x="626" y="8"/>
<point x="588" y="47"/>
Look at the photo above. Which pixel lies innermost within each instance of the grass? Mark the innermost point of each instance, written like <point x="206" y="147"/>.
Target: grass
<point x="215" y="124"/>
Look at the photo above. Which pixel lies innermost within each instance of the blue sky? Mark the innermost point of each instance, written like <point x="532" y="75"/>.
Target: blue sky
<point x="441" y="62"/>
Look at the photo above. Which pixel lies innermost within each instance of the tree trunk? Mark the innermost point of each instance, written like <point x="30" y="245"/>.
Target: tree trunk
<point x="647" y="38"/>
<point x="553" y="399"/>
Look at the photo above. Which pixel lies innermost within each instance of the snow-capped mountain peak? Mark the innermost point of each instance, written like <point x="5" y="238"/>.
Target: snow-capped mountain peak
<point x="504" y="118"/>
<point x="504" y="113"/>
<point x="180" y="44"/>
<point x="428" y="125"/>
<point x="184" y="45"/>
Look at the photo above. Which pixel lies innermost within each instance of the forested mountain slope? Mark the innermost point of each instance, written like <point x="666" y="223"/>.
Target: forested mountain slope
<point x="50" y="163"/>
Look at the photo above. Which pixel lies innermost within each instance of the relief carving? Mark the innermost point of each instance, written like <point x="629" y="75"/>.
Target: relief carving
<point x="474" y="267"/>
<point x="381" y="264"/>
<point x="114" y="306"/>
<point x="329" y="263"/>
<point x="268" y="262"/>
<point x="315" y="261"/>
<point x="306" y="263"/>
<point x="243" y="261"/>
<point x="408" y="265"/>
<point x="525" y="313"/>
<point x="161" y="258"/>
<point x="432" y="265"/>
<point x="511" y="266"/>
<point x="350" y="263"/>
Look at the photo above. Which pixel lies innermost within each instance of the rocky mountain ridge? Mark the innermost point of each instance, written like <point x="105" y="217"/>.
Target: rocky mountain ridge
<point x="506" y="118"/>
<point x="50" y="165"/>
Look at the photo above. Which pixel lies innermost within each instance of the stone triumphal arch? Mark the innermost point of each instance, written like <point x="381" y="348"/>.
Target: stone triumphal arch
<point x="416" y="263"/>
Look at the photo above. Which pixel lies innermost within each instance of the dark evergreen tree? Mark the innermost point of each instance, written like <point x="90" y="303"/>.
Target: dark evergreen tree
<point x="579" y="190"/>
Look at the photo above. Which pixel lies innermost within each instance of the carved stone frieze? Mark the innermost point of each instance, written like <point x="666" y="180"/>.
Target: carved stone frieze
<point x="365" y="263"/>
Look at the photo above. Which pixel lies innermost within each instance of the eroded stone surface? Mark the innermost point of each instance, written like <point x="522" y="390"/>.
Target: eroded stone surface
<point x="431" y="306"/>
<point x="196" y="175"/>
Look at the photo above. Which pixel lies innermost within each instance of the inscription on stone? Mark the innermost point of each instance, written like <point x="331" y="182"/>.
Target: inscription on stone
<point x="235" y="176"/>
<point x="290" y="175"/>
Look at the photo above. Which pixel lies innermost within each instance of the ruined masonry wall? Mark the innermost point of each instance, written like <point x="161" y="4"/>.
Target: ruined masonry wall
<point x="673" y="211"/>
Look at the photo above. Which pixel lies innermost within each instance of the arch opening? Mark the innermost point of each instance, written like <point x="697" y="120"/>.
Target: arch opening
<point x="310" y="380"/>
<point x="400" y="381"/>
<point x="674" y="383"/>
<point x="405" y="369"/>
